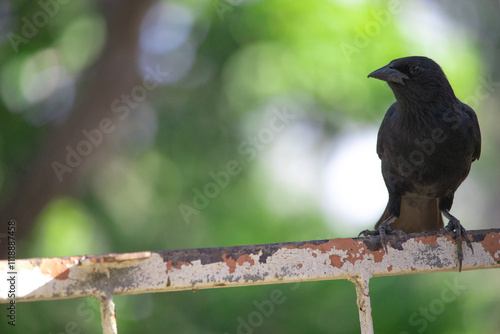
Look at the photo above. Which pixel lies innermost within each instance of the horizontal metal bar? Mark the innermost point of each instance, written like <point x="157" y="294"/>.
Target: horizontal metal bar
<point x="203" y="268"/>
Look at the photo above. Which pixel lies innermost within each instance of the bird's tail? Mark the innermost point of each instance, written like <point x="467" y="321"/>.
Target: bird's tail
<point x="416" y="215"/>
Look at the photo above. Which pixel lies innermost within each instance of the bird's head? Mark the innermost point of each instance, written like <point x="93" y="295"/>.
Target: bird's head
<point x="415" y="79"/>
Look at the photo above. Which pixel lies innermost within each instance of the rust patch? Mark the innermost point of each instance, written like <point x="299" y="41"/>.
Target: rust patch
<point x="378" y="256"/>
<point x="430" y="240"/>
<point x="56" y="268"/>
<point x="324" y="247"/>
<point x="355" y="251"/>
<point x="231" y="263"/>
<point x="491" y="244"/>
<point x="300" y="265"/>
<point x="245" y="258"/>
<point x="359" y="249"/>
<point x="178" y="265"/>
<point x="336" y="260"/>
<point x="389" y="269"/>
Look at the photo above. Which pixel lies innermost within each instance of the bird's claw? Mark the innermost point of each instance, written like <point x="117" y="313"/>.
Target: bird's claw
<point x="382" y="231"/>
<point x="454" y="225"/>
<point x="460" y="231"/>
<point x="368" y="233"/>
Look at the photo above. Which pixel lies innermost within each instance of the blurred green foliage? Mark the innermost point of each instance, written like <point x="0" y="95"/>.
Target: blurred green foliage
<point x="309" y="57"/>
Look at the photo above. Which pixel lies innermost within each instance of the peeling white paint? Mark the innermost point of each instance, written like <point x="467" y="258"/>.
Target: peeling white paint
<point x="145" y="272"/>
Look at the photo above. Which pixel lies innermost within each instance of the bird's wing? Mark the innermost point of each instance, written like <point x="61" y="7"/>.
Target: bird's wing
<point x="474" y="128"/>
<point x="385" y="130"/>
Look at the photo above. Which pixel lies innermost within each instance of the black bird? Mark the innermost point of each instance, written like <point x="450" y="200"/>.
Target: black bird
<point x="427" y="143"/>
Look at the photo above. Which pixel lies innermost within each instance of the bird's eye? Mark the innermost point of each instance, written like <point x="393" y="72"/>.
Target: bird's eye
<point x="414" y="70"/>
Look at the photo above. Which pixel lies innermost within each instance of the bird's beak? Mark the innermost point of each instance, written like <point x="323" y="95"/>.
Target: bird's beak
<point x="388" y="74"/>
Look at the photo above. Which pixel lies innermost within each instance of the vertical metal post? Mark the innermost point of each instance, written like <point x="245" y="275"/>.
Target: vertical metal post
<point x="108" y="314"/>
<point x="363" y="300"/>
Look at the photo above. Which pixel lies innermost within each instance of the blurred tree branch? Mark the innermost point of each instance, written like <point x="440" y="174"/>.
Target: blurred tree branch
<point x="114" y="73"/>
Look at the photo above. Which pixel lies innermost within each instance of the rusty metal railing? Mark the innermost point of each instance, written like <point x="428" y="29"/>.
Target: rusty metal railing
<point x="356" y="259"/>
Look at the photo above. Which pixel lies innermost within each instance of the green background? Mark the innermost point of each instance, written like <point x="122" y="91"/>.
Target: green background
<point x="67" y="65"/>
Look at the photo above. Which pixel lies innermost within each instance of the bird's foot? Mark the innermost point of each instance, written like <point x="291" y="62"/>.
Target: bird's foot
<point x="382" y="231"/>
<point x="460" y="231"/>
